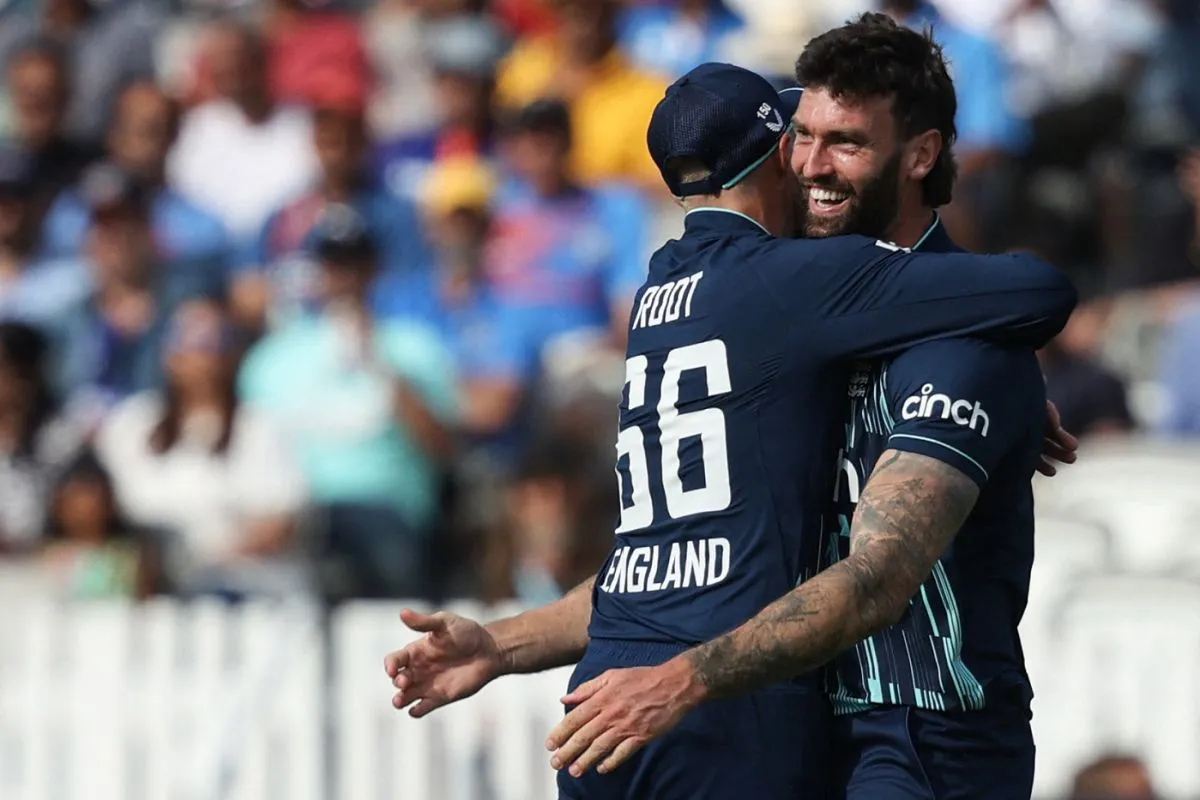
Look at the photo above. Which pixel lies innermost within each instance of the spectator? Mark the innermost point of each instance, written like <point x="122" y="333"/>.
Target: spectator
<point x="309" y="40"/>
<point x="610" y="100"/>
<point x="108" y="45"/>
<point x="39" y="89"/>
<point x="494" y="347"/>
<point x="573" y="257"/>
<point x="241" y="154"/>
<point x="144" y="129"/>
<point x="35" y="441"/>
<point x="91" y="552"/>
<point x="279" y="274"/>
<point x="32" y="288"/>
<point x="989" y="134"/>
<point x="1113" y="778"/>
<point x="671" y="39"/>
<point x="111" y="341"/>
<point x="559" y="510"/>
<point x="369" y="405"/>
<point x="463" y="53"/>
<point x="1090" y="398"/>
<point x="211" y="473"/>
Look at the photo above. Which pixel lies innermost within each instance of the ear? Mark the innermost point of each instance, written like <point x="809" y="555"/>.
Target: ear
<point x="923" y="152"/>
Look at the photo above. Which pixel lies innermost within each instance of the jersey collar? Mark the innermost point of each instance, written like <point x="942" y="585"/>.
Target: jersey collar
<point x="721" y="220"/>
<point x="935" y="239"/>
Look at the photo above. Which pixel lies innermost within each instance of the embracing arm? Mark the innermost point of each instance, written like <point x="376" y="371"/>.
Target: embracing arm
<point x="549" y="636"/>
<point x="907" y="516"/>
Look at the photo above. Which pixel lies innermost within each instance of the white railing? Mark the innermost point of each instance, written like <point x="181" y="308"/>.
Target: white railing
<point x="173" y="701"/>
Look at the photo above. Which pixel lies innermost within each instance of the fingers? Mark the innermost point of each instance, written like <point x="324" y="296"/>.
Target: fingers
<point x="619" y="756"/>
<point x="600" y="747"/>
<point x="578" y="743"/>
<point x="426" y="705"/>
<point x="584" y="690"/>
<point x="425" y="623"/>
<point x="396" y="661"/>
<point x="568" y="725"/>
<point x="1044" y="467"/>
<point x="1054" y="450"/>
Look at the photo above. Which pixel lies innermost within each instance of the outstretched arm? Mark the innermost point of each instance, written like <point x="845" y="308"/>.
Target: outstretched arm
<point x="907" y="516"/>
<point x="457" y="656"/>
<point x="550" y="636"/>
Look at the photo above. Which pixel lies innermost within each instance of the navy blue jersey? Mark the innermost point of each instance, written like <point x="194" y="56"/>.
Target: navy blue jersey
<point x="980" y="408"/>
<point x="738" y="356"/>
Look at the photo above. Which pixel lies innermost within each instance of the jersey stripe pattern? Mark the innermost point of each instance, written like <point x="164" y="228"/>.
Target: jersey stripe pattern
<point x="918" y="661"/>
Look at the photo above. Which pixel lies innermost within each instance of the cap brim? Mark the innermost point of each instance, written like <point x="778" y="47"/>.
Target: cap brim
<point x="789" y="99"/>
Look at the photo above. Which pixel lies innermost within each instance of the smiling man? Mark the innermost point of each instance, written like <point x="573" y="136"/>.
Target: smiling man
<point x="919" y="606"/>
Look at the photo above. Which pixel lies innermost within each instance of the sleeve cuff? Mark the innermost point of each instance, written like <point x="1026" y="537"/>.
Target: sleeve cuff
<point x="946" y="453"/>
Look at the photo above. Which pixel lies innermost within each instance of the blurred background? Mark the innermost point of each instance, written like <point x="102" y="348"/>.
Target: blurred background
<point x="311" y="306"/>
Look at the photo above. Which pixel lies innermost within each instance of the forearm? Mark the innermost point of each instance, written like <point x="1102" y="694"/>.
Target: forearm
<point x="553" y="635"/>
<point x="797" y="633"/>
<point x="908" y="515"/>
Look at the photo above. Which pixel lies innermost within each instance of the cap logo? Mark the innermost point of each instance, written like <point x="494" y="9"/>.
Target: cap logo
<point x="764" y="111"/>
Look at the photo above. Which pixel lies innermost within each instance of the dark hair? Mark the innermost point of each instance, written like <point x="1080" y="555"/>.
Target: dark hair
<point x="24" y="350"/>
<point x="165" y="434"/>
<point x="873" y="56"/>
<point x="41" y="48"/>
<point x="86" y="467"/>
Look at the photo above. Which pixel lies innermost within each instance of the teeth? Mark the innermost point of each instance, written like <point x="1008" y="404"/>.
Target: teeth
<point x="827" y="196"/>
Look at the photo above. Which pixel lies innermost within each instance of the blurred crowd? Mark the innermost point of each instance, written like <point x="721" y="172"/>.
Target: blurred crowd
<point x="329" y="298"/>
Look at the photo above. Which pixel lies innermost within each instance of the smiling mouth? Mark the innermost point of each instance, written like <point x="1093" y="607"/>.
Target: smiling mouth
<point x="826" y="200"/>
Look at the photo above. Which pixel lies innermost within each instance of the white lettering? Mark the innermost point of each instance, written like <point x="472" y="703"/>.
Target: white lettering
<point x="675" y="301"/>
<point x="694" y="564"/>
<point x="644" y="306"/>
<point x="718" y="560"/>
<point x="852" y="480"/>
<point x="674" y="569"/>
<point x="634" y="570"/>
<point x="929" y="404"/>
<point x="956" y="412"/>
<point x="687" y="310"/>
<point x="652" y="582"/>
<point x="977" y="415"/>
<point x="660" y="304"/>
<point x="613" y="564"/>
<point x="666" y="303"/>
<point x="637" y="569"/>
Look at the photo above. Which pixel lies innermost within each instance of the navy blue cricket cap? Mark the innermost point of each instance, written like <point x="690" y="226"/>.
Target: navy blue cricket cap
<point x="341" y="234"/>
<point x="726" y="117"/>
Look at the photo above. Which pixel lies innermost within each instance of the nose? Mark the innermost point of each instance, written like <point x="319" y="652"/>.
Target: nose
<point x="810" y="161"/>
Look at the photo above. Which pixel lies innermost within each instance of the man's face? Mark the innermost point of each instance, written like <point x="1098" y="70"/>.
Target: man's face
<point x="142" y="132"/>
<point x="340" y="142"/>
<point x="237" y="65"/>
<point x="847" y="158"/>
<point x="39" y="95"/>
<point x="539" y="157"/>
<point x="120" y="243"/>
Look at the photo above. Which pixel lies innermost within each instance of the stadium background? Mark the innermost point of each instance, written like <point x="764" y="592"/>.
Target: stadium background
<point x="215" y="485"/>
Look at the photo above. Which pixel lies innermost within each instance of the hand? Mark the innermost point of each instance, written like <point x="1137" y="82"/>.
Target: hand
<point x="454" y="659"/>
<point x="619" y="712"/>
<point x="1058" y="445"/>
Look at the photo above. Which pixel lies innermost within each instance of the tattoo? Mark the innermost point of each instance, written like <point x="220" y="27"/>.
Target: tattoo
<point x="907" y="516"/>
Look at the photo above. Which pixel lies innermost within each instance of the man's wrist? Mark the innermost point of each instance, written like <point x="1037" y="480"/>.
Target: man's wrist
<point x="692" y="689"/>
<point x="505" y="657"/>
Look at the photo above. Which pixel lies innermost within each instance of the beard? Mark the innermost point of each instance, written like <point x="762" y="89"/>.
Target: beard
<point x="869" y="212"/>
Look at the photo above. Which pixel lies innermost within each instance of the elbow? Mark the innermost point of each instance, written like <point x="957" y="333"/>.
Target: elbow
<point x="1058" y="297"/>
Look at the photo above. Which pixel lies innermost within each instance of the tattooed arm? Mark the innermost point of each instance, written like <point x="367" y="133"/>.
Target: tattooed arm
<point x="908" y="514"/>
